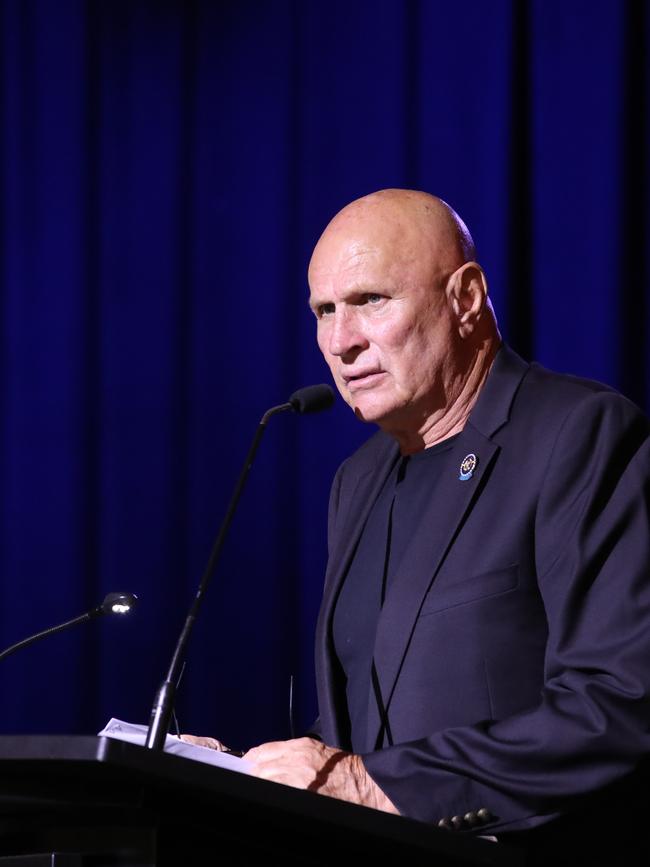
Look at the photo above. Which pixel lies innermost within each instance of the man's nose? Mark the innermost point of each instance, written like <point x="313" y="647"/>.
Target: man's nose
<point x="346" y="336"/>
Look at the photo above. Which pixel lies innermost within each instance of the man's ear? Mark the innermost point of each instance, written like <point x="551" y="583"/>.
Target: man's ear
<point x="467" y="294"/>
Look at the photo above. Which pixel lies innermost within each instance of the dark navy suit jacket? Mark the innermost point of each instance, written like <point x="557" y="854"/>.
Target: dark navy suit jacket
<point x="513" y="652"/>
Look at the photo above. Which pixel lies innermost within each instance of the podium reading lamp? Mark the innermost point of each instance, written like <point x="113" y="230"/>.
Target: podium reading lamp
<point x="114" y="603"/>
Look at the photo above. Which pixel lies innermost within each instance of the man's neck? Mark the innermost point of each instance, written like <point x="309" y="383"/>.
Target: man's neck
<point x="444" y="423"/>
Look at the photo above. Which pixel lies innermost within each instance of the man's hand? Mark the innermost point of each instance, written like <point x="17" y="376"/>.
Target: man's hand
<point x="308" y="764"/>
<point x="210" y="743"/>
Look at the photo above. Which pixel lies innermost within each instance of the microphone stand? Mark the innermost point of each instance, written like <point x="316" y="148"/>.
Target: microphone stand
<point x="161" y="712"/>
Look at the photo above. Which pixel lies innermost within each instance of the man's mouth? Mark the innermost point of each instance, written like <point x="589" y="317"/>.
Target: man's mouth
<point x="363" y="379"/>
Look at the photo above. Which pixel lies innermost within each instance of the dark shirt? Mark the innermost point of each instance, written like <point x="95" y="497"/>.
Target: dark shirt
<point x="372" y="573"/>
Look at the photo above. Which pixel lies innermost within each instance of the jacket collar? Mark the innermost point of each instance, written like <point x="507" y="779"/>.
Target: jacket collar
<point x="492" y="409"/>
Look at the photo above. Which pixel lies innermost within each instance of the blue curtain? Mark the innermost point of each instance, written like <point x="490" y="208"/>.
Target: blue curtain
<point x="165" y="169"/>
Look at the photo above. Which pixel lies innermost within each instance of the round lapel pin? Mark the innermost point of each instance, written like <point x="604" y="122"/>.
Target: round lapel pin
<point x="467" y="467"/>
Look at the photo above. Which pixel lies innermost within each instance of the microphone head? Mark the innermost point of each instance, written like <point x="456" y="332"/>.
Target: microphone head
<point x="312" y="398"/>
<point x="118" y="603"/>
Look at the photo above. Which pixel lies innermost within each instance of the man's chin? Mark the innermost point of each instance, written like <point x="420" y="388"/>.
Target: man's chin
<point x="370" y="413"/>
<point x="391" y="418"/>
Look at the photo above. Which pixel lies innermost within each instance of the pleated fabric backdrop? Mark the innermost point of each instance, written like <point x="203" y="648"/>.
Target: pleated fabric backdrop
<point x="165" y="169"/>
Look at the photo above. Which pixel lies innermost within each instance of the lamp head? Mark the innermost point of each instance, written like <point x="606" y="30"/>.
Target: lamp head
<point x="118" y="603"/>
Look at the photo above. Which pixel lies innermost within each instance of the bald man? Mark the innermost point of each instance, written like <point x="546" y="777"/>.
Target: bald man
<point x="406" y="328"/>
<point x="483" y="644"/>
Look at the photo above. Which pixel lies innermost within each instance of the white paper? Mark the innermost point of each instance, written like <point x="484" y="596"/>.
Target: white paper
<point x="137" y="734"/>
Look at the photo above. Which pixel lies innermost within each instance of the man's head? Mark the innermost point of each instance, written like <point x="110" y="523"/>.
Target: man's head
<point x="402" y="310"/>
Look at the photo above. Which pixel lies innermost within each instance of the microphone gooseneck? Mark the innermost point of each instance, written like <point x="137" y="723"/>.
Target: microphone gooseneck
<point x="114" y="603"/>
<point x="313" y="398"/>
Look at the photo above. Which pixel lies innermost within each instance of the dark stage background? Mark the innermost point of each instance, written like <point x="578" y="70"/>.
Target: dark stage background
<point x="165" y="169"/>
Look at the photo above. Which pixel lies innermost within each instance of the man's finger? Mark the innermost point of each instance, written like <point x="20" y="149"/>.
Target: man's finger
<point x="210" y="743"/>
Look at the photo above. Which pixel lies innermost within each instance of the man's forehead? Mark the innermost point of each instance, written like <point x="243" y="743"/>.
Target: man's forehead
<point x="354" y="262"/>
<point x="367" y="253"/>
<point x="345" y="254"/>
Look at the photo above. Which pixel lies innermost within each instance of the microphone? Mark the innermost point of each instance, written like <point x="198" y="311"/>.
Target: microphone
<point x="114" y="603"/>
<point x="312" y="398"/>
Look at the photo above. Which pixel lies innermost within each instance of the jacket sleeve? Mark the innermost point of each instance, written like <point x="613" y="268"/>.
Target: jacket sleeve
<point x="592" y="723"/>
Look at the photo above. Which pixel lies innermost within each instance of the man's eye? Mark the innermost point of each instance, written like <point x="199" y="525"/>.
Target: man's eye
<point x="324" y="310"/>
<point x="373" y="298"/>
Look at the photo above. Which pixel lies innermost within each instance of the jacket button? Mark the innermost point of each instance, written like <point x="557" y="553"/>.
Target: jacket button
<point x="484" y="815"/>
<point x="472" y="818"/>
<point x="457" y="822"/>
<point x="445" y="824"/>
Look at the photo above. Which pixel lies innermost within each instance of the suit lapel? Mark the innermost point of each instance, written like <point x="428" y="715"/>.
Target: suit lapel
<point x="366" y="490"/>
<point x="435" y="532"/>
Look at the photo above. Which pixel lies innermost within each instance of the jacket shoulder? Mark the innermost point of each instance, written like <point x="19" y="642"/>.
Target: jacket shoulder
<point x="550" y="396"/>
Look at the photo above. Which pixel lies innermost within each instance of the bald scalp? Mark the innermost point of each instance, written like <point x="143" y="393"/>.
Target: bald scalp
<point x="412" y="220"/>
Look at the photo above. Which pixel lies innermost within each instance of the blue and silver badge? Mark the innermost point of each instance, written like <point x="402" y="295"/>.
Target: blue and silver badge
<point x="467" y="467"/>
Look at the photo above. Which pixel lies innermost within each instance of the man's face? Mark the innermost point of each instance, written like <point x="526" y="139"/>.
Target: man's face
<point x="384" y="325"/>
